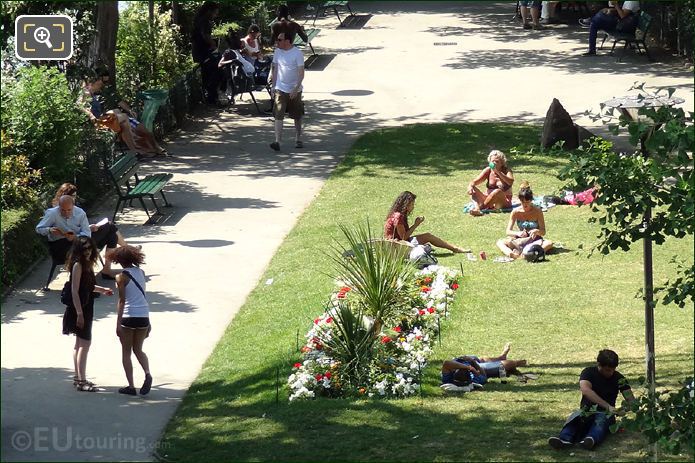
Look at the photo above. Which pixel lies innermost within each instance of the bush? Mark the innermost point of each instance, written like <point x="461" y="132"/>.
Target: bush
<point x="41" y="118"/>
<point x="21" y="246"/>
<point x="19" y="181"/>
<point x="144" y="58"/>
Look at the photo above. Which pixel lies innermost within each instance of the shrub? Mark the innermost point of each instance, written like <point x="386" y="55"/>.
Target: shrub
<point x="41" y="118"/>
<point x="147" y="58"/>
<point x="19" y="181"/>
<point x="21" y="246"/>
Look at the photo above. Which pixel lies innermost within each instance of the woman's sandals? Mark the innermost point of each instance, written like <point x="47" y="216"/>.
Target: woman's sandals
<point x="83" y="385"/>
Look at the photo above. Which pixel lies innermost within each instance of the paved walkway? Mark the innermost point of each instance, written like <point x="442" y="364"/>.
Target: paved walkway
<point x="235" y="200"/>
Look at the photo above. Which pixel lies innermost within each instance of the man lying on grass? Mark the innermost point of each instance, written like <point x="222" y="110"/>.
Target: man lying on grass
<point x="599" y="385"/>
<point x="470" y="371"/>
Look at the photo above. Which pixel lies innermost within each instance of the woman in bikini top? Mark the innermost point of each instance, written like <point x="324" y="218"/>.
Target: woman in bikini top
<point x="499" y="179"/>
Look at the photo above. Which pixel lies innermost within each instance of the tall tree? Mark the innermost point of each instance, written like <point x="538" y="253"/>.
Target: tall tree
<point x="102" y="50"/>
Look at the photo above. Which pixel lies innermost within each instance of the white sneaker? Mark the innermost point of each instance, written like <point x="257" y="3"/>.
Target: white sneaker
<point x="586" y="22"/>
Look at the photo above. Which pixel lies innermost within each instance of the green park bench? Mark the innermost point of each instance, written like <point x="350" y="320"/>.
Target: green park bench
<point x="334" y="5"/>
<point x="644" y="21"/>
<point x="123" y="175"/>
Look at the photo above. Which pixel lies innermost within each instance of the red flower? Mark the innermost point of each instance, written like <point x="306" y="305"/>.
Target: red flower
<point x="297" y="365"/>
<point x="397" y="329"/>
<point x="425" y="289"/>
<point x="421" y="312"/>
<point x="305" y="349"/>
<point x="430" y="309"/>
<point x="316" y="321"/>
<point x="427" y="280"/>
<point x="318" y="377"/>
<point x="341" y="295"/>
<point x="418" y="337"/>
<point x="385" y="340"/>
<point x="329" y="319"/>
<point x="345" y="289"/>
<point x="455" y="286"/>
<point x="328" y="375"/>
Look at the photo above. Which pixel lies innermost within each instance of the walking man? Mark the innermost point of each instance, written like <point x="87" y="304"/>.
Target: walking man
<point x="286" y="76"/>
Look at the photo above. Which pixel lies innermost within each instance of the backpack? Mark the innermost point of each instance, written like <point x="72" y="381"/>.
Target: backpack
<point x="533" y="252"/>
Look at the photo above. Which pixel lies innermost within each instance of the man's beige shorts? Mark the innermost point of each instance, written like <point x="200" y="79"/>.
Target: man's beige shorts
<point x="284" y="104"/>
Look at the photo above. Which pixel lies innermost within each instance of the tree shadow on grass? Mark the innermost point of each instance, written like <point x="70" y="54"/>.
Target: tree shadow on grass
<point x="224" y="419"/>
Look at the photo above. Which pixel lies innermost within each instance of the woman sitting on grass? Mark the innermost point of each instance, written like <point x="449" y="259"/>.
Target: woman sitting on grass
<point x="499" y="178"/>
<point x="396" y="227"/>
<point x="531" y="224"/>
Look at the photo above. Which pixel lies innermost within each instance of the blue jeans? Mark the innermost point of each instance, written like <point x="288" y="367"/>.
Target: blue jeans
<point x="600" y="21"/>
<point x="595" y="426"/>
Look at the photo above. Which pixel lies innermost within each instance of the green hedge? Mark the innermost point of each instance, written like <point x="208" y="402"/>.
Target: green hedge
<point x="21" y="246"/>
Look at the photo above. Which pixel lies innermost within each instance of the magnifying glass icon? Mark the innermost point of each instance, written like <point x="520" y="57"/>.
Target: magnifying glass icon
<point x="42" y="35"/>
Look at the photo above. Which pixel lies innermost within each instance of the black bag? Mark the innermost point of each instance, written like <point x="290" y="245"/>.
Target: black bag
<point x="627" y="24"/>
<point x="534" y="252"/>
<point x="66" y="293"/>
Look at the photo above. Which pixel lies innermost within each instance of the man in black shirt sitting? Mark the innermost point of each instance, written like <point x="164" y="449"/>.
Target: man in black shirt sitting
<point x="599" y="386"/>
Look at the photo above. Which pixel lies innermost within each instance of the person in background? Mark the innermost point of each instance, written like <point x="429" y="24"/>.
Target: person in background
<point x="599" y="386"/>
<point x="467" y="369"/>
<point x="397" y="228"/>
<point x="103" y="234"/>
<point x="79" y="315"/>
<point x="535" y="7"/>
<point x="133" y="318"/>
<point x="499" y="180"/>
<point x="204" y="49"/>
<point x="607" y="20"/>
<point x="285" y="24"/>
<point x="531" y="224"/>
<point x="286" y="77"/>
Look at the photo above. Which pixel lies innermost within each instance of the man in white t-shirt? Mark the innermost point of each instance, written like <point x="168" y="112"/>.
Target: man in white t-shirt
<point x="608" y="18"/>
<point x="286" y="76"/>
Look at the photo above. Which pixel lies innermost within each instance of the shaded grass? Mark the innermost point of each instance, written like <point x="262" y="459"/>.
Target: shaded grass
<point x="557" y="314"/>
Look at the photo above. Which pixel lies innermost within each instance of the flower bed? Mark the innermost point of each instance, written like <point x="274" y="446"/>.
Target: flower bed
<point x="399" y="353"/>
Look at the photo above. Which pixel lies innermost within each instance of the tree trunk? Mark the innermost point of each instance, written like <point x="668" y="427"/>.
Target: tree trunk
<point x="103" y="49"/>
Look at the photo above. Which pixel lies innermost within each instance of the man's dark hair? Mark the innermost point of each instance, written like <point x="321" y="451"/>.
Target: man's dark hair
<point x="283" y="12"/>
<point x="607" y="358"/>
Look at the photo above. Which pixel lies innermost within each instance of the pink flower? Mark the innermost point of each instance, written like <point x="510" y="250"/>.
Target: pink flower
<point x="297" y="365"/>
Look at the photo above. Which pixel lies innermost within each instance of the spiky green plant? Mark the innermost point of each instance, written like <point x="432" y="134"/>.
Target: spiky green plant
<point x="351" y="344"/>
<point x="376" y="272"/>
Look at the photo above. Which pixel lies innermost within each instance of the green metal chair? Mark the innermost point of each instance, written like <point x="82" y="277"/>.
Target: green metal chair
<point x="152" y="100"/>
<point x="638" y="37"/>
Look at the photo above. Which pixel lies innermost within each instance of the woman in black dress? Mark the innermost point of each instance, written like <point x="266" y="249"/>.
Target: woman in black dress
<point x="79" y="315"/>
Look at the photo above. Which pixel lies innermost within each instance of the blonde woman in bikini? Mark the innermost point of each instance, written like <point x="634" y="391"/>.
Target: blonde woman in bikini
<point x="499" y="180"/>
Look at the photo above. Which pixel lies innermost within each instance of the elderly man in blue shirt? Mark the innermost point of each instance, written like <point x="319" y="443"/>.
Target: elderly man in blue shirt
<point x="61" y="224"/>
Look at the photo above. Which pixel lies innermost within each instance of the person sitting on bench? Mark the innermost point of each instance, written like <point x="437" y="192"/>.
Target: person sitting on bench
<point x="61" y="224"/>
<point x="133" y="133"/>
<point x="103" y="234"/>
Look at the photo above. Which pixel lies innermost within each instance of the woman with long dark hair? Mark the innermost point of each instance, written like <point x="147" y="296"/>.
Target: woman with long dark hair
<point x="79" y="315"/>
<point x="397" y="228"/>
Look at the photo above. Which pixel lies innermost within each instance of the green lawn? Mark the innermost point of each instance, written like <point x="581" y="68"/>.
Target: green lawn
<point x="557" y="315"/>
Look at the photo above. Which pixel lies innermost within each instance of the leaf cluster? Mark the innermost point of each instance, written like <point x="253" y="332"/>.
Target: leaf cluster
<point x="656" y="177"/>
<point x="665" y="418"/>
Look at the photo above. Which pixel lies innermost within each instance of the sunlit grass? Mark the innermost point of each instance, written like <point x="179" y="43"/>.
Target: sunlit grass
<point x="557" y="314"/>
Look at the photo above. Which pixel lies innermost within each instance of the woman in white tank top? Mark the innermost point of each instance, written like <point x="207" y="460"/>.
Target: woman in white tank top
<point x="133" y="321"/>
<point x="252" y="44"/>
